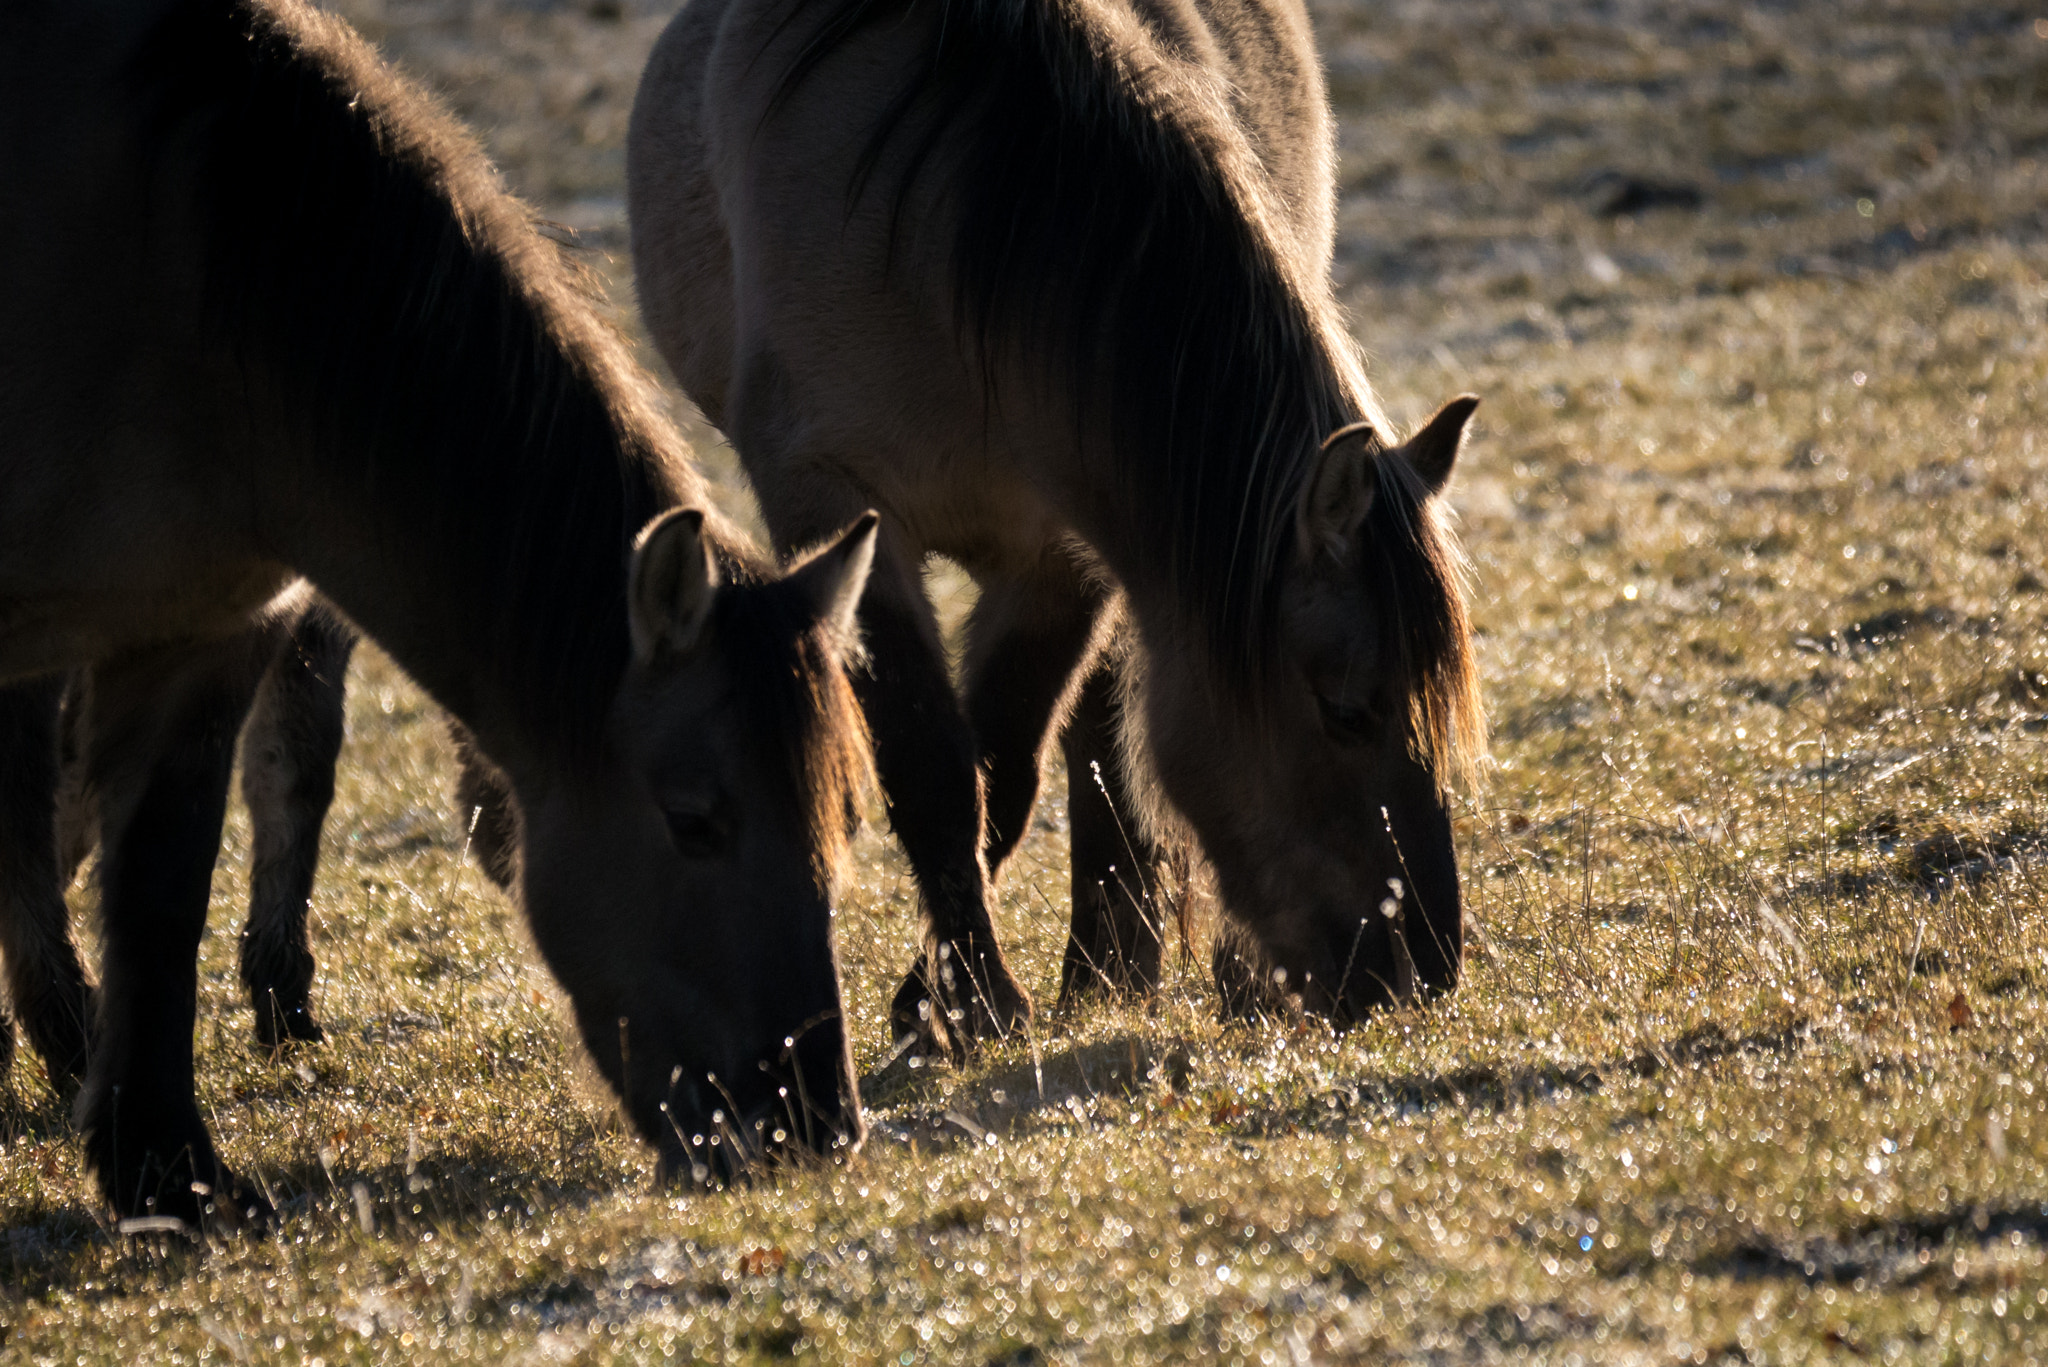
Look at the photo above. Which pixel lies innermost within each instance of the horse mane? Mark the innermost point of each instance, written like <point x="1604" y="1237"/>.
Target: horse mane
<point x="1095" y="181"/>
<point x="397" y="309"/>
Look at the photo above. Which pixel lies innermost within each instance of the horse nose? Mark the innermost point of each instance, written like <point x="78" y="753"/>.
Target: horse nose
<point x="820" y="1080"/>
<point x="729" y="1150"/>
<point x="798" y="1102"/>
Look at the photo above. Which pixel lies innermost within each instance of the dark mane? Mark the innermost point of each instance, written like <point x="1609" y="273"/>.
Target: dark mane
<point x="1418" y="574"/>
<point x="1094" y="186"/>
<point x="396" y="310"/>
<point x="795" y="689"/>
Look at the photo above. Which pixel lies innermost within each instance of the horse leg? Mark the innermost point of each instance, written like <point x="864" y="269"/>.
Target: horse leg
<point x="78" y="811"/>
<point x="293" y="738"/>
<point x="1032" y="660"/>
<point x="162" y="751"/>
<point x="960" y="990"/>
<point x="1119" y="870"/>
<point x="1028" y="645"/>
<point x="45" y="977"/>
<point x="489" y="814"/>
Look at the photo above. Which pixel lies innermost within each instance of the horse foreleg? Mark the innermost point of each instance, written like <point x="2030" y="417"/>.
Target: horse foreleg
<point x="1029" y="643"/>
<point x="293" y="739"/>
<point x="1119" y="879"/>
<point x="78" y="813"/>
<point x="46" y="980"/>
<point x="1033" y="669"/>
<point x="162" y="750"/>
<point x="490" y="815"/>
<point x="961" y="990"/>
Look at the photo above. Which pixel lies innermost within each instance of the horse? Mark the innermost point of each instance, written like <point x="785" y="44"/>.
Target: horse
<point x="292" y="727"/>
<point x="1047" y="283"/>
<point x="294" y="326"/>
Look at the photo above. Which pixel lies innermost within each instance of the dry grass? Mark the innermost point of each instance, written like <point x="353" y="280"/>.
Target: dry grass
<point x="1748" y="1067"/>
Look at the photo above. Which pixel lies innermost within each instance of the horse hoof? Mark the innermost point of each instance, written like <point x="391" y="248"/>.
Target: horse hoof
<point x="278" y="1027"/>
<point x="1244" y="991"/>
<point x="976" y="1000"/>
<point x="990" y="1004"/>
<point x="182" y="1205"/>
<point x="915" y="1015"/>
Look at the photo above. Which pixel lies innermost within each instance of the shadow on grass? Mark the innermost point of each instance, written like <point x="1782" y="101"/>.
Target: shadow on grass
<point x="1058" y="1088"/>
<point x="1884" y="1252"/>
<point x="1009" y="1101"/>
<point x="1497" y="1087"/>
<point x="61" y="1247"/>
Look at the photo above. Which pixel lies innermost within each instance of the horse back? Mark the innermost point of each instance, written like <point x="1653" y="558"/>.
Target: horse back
<point x="117" y="519"/>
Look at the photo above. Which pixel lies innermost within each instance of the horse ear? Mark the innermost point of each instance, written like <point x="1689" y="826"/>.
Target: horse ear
<point x="670" y="585"/>
<point x="830" y="582"/>
<point x="1434" y="450"/>
<point x="1339" y="492"/>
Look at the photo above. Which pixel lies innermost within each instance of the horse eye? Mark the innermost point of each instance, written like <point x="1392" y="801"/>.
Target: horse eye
<point x="698" y="835"/>
<point x="1347" y="723"/>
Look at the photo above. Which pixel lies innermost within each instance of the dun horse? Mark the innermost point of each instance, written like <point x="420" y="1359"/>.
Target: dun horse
<point x="293" y="325"/>
<point x="49" y="820"/>
<point x="1047" y="283"/>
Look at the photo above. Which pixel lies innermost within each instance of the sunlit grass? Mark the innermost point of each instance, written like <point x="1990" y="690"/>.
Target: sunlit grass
<point x="1747" y="1066"/>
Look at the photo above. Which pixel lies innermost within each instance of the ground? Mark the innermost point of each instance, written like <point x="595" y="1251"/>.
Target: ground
<point x="1747" y="1067"/>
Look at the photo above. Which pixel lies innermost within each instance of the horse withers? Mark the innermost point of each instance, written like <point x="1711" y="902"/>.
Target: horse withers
<point x="1047" y="283"/>
<point x="293" y="326"/>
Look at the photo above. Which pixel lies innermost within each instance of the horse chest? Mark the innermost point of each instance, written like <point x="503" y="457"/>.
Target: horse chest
<point x="987" y="513"/>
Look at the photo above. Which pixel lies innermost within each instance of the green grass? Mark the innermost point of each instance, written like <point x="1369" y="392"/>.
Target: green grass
<point x="1748" y="1064"/>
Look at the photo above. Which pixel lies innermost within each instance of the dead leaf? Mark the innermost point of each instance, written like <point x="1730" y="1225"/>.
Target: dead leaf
<point x="1960" y="1016"/>
<point x="762" y="1262"/>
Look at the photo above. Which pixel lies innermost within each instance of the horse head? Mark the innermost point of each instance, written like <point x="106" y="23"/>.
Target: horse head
<point x="1321" y="804"/>
<point x="682" y="887"/>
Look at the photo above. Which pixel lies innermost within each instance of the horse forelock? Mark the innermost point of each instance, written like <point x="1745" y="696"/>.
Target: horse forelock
<point x="365" y="257"/>
<point x="1417" y="574"/>
<point x="794" y="688"/>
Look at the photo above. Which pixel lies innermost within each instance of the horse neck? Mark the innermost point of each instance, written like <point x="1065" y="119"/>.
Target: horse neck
<point x="1116" y="246"/>
<point x="495" y="577"/>
<point x="454" y="449"/>
<point x="1191" y="491"/>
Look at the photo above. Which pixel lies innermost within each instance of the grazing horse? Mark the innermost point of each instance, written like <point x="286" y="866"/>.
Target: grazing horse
<point x="49" y="821"/>
<point x="1046" y="282"/>
<point x="292" y="325"/>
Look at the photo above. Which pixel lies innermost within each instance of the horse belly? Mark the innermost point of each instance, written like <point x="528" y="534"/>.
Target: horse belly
<point x="105" y="545"/>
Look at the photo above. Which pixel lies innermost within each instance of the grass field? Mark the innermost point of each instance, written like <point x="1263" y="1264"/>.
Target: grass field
<point x="1748" y="1066"/>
